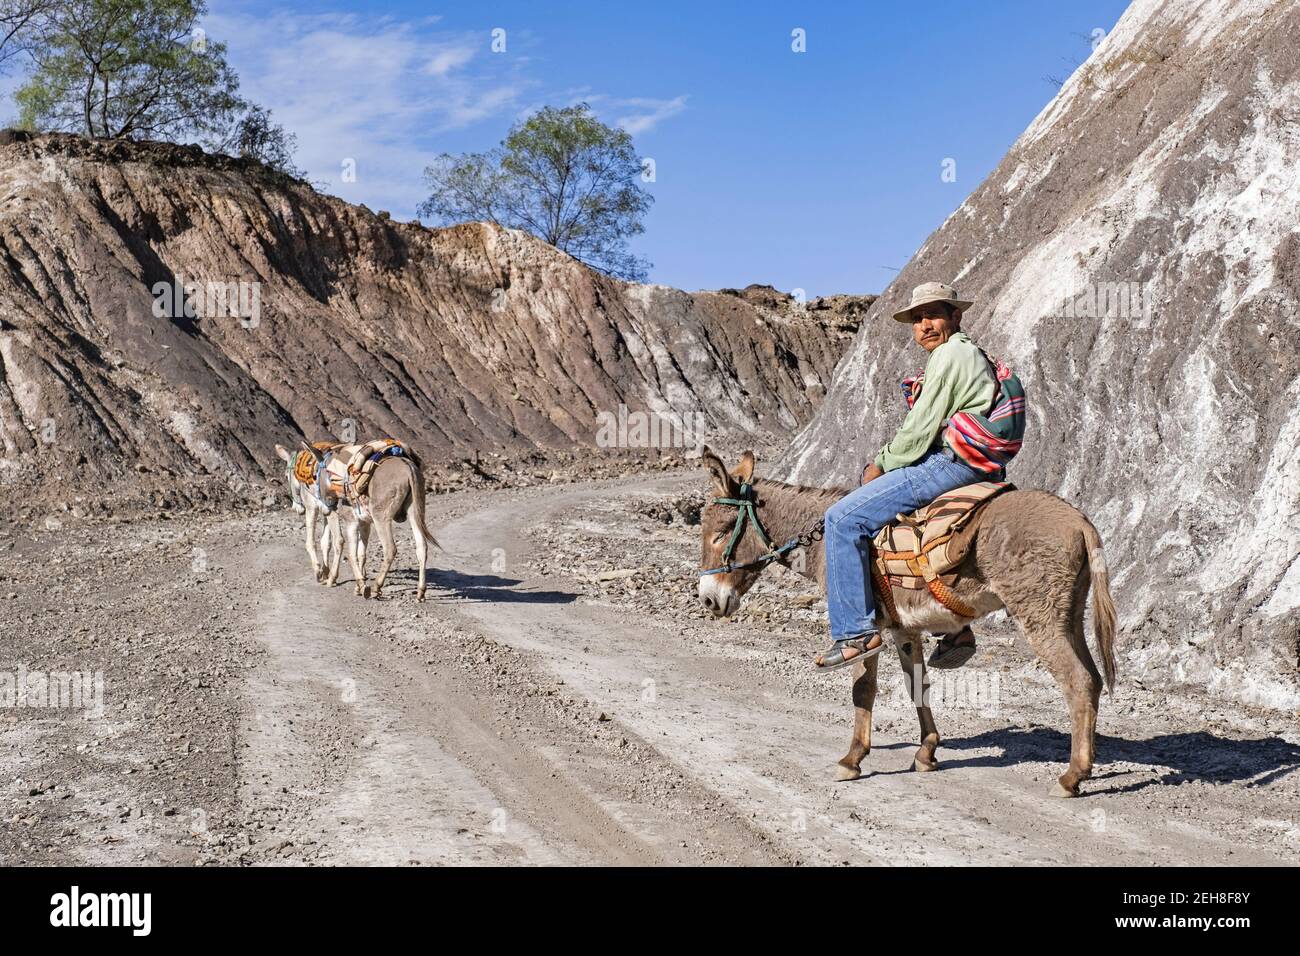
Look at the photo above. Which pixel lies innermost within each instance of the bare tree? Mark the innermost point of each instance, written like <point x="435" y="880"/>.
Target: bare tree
<point x="15" y="17"/>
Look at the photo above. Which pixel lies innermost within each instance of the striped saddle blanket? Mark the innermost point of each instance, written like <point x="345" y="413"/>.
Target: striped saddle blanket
<point x="304" y="464"/>
<point x="923" y="549"/>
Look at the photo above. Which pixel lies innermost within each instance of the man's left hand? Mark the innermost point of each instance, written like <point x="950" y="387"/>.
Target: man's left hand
<point x="871" y="472"/>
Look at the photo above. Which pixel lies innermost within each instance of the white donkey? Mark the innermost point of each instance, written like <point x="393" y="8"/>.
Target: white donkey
<point x="342" y="526"/>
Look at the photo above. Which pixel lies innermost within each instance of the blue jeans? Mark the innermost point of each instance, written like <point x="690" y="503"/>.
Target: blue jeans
<point x="853" y="521"/>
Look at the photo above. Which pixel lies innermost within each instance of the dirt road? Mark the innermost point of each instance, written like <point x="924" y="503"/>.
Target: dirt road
<point x="558" y="699"/>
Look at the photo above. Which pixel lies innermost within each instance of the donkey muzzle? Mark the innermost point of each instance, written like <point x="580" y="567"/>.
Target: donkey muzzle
<point x="721" y="599"/>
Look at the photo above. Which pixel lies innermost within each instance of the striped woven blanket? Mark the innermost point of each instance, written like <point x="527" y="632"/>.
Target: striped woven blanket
<point x="985" y="442"/>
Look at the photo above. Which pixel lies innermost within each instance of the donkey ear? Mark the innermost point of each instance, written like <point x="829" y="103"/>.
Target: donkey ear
<point x="311" y="451"/>
<point x="744" y="472"/>
<point x="722" y="482"/>
<point x="282" y="453"/>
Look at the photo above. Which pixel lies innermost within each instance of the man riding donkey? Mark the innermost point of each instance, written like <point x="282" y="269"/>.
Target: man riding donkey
<point x="944" y="443"/>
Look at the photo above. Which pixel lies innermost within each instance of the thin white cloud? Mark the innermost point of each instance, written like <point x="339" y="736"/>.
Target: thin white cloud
<point x="636" y="114"/>
<point x="449" y="59"/>
<point x="646" y="113"/>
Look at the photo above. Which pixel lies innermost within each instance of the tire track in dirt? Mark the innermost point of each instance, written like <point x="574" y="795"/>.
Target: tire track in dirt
<point x="365" y="750"/>
<point x="324" y="725"/>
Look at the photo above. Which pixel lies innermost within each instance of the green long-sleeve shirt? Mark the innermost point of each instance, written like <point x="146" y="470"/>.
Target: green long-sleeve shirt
<point x="957" y="379"/>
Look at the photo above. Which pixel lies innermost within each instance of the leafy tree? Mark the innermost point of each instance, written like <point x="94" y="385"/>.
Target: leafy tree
<point x="255" y="136"/>
<point x="127" y="68"/>
<point x="562" y="175"/>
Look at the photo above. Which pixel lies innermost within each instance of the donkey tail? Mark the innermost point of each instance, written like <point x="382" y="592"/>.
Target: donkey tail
<point x="417" y="500"/>
<point x="1103" y="607"/>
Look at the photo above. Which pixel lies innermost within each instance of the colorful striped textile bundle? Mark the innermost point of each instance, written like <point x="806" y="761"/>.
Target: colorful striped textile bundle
<point x="985" y="442"/>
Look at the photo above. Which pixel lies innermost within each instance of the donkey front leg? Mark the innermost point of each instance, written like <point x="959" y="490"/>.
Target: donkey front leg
<point x="864" y="699"/>
<point x="312" y="551"/>
<point x="910" y="651"/>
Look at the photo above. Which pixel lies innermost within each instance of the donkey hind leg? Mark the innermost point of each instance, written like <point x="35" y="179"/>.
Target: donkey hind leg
<point x="849" y="766"/>
<point x="910" y="650"/>
<point x="1085" y="696"/>
<point x="1055" y="631"/>
<point x="363" y="542"/>
<point x="384" y="525"/>
<point x="358" y="531"/>
<point x="421" y="554"/>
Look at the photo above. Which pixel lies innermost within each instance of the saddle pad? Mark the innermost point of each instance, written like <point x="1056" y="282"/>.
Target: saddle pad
<point x="363" y="461"/>
<point x="915" y="546"/>
<point x="304" y="466"/>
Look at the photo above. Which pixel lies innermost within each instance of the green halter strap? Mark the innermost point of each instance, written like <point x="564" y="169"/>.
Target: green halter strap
<point x="745" y="504"/>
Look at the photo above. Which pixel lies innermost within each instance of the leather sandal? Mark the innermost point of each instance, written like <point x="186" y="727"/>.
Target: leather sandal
<point x="834" y="658"/>
<point x="949" y="654"/>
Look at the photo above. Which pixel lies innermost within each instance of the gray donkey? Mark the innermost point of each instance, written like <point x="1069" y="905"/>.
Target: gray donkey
<point x="1032" y="554"/>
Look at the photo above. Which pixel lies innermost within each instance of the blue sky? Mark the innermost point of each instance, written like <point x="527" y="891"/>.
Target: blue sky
<point x="814" y="170"/>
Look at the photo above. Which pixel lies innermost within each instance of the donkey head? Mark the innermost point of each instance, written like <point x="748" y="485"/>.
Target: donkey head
<point x="721" y="591"/>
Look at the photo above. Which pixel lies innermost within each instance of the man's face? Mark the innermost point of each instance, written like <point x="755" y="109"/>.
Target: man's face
<point x="932" y="325"/>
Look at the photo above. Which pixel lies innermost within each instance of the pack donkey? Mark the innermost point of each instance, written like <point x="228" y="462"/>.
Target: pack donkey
<point x="305" y="502"/>
<point x="1032" y="554"/>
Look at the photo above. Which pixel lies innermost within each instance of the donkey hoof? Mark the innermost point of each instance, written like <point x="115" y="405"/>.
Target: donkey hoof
<point x="1061" y="790"/>
<point x="419" y="596"/>
<point x="921" y="765"/>
<point x="847" y="773"/>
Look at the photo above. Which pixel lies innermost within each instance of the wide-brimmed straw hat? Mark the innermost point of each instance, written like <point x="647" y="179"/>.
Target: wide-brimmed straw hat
<point x="928" y="292"/>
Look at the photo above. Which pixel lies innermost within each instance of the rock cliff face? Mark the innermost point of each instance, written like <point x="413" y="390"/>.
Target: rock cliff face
<point x="308" y="315"/>
<point x="1136" y="257"/>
